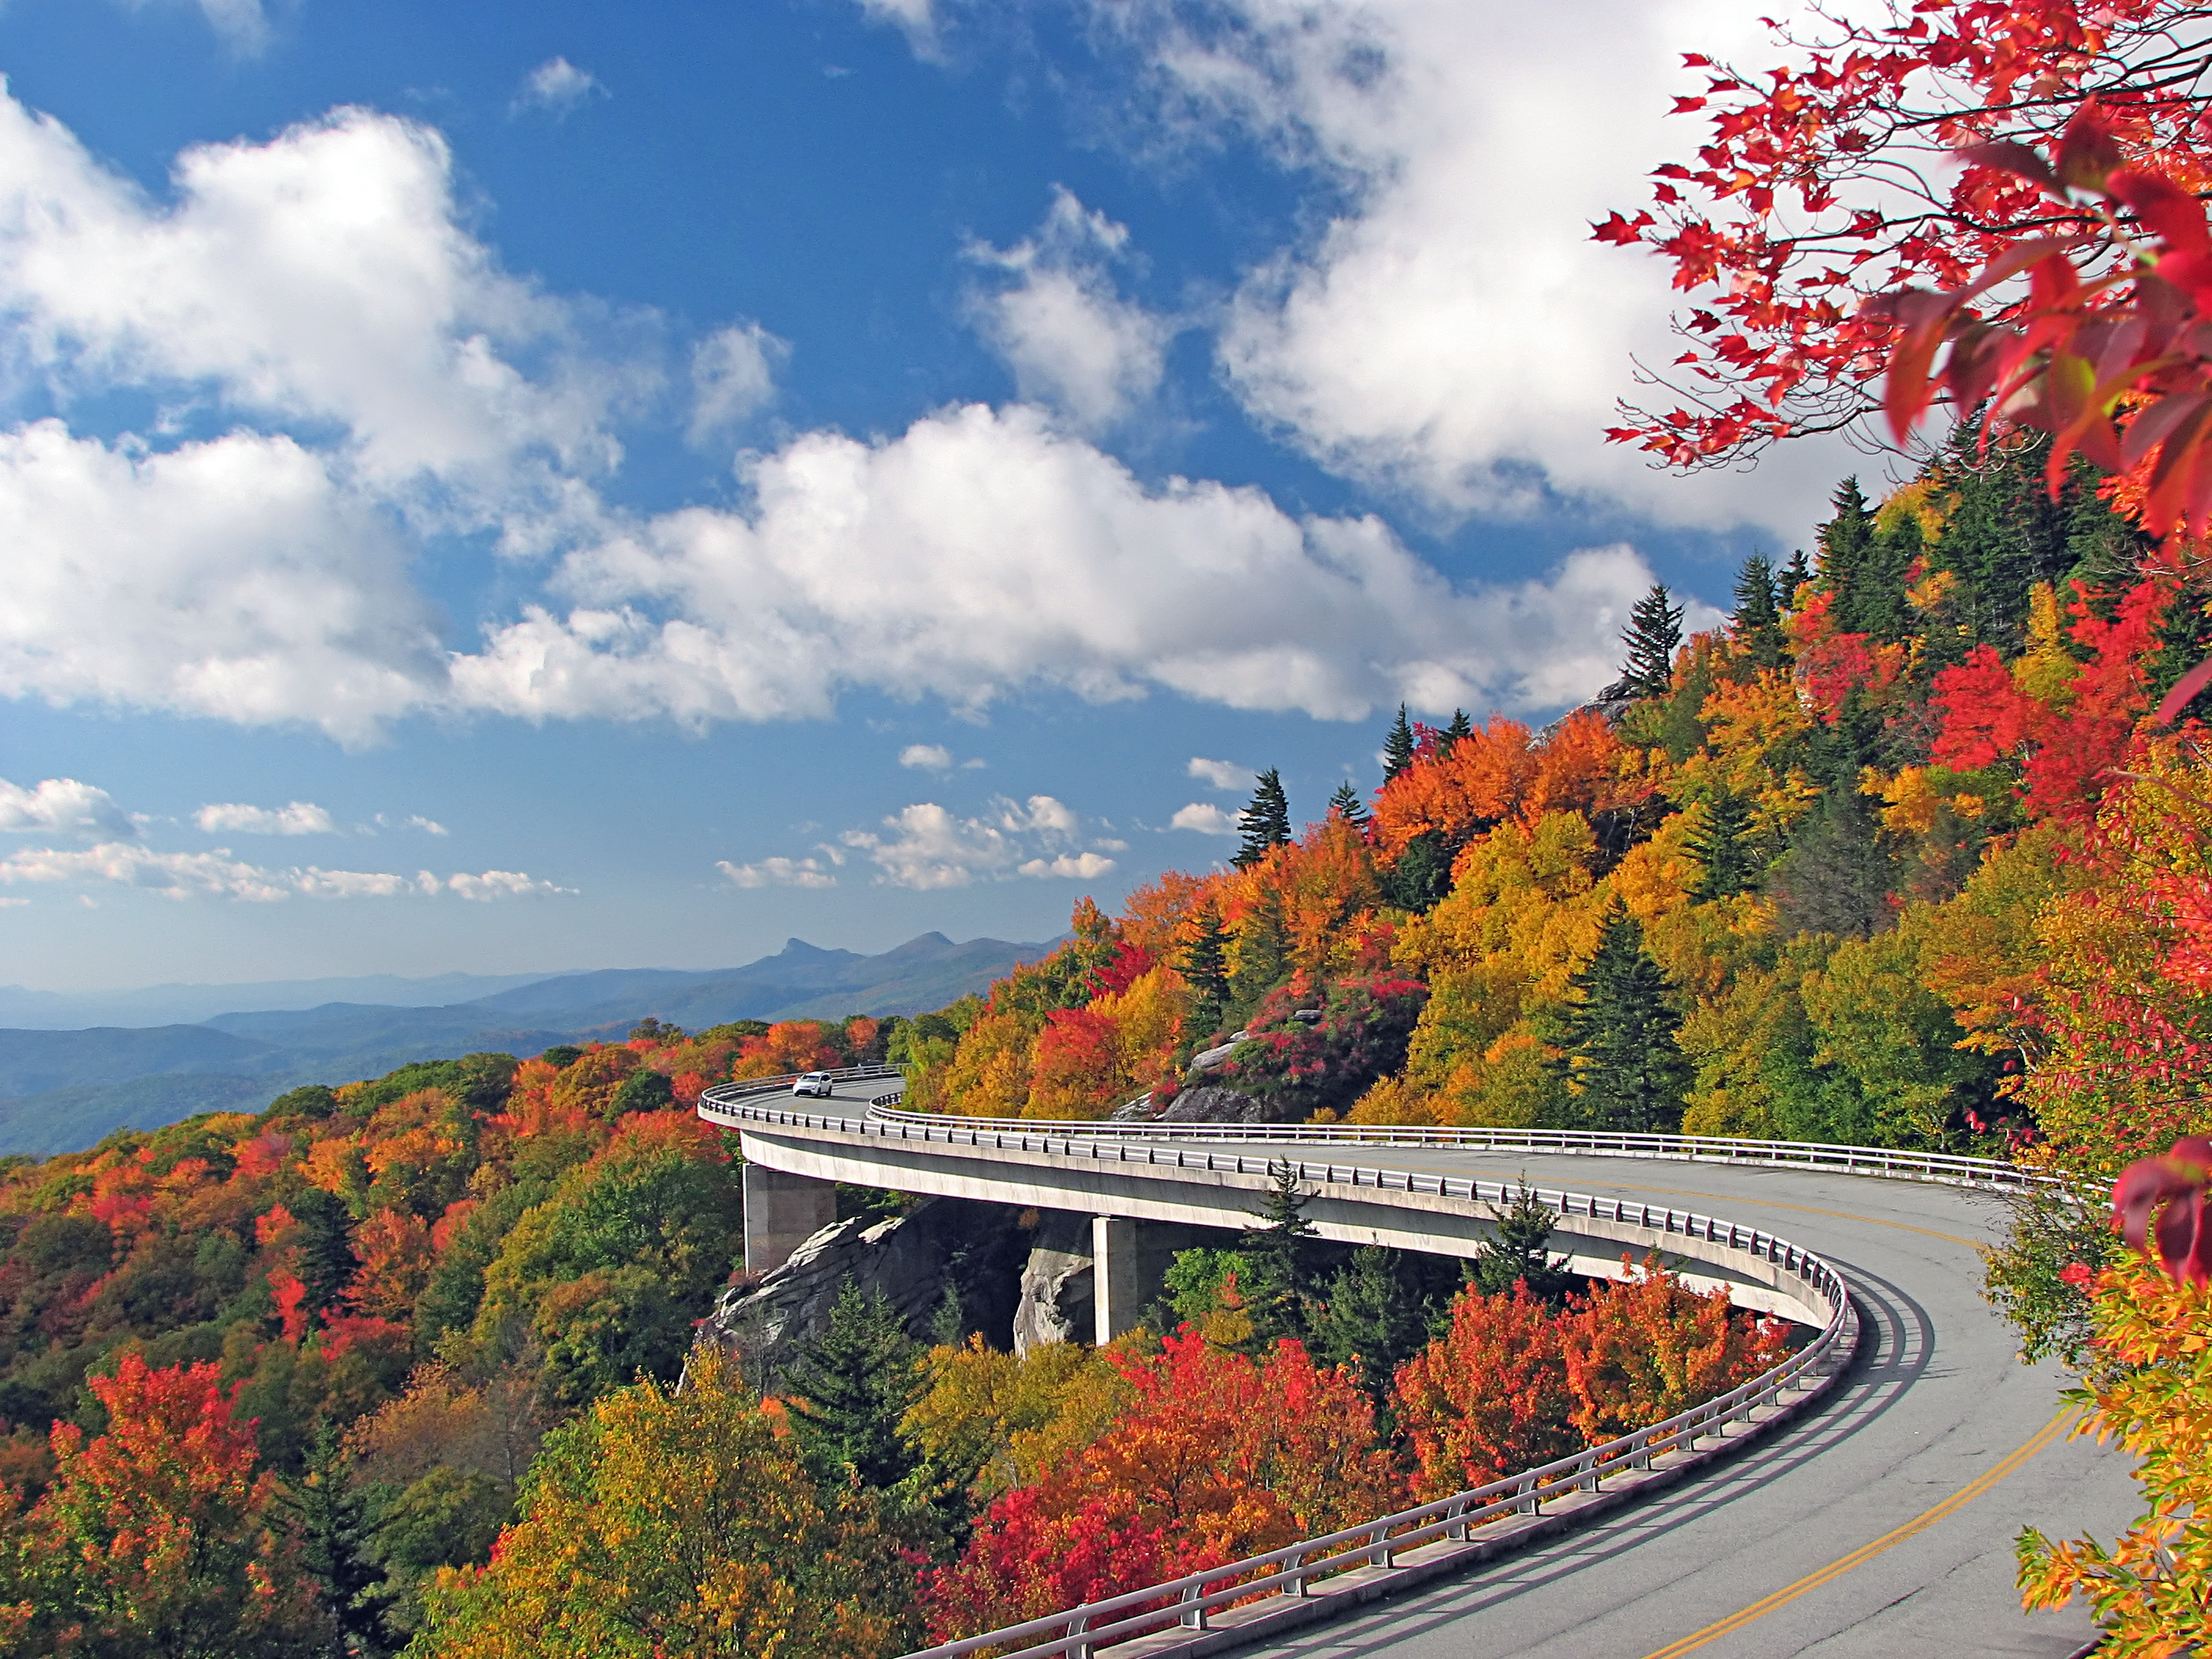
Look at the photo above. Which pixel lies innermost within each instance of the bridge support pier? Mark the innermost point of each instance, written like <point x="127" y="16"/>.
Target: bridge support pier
<point x="782" y="1212"/>
<point x="1129" y="1263"/>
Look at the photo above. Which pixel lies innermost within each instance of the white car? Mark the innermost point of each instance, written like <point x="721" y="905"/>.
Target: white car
<point x="817" y="1084"/>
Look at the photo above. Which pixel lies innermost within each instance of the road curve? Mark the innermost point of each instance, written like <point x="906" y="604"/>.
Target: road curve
<point x="1846" y="1534"/>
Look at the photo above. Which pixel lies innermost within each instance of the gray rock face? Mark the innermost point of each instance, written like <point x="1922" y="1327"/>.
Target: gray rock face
<point x="976" y="1249"/>
<point x="1211" y="1104"/>
<point x="1055" y="1304"/>
<point x="1205" y="1059"/>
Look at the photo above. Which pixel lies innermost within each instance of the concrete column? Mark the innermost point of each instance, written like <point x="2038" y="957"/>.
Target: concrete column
<point x="782" y="1212"/>
<point x="1116" y="1282"/>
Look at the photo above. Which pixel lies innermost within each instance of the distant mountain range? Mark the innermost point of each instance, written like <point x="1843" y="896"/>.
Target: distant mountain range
<point x="151" y="1057"/>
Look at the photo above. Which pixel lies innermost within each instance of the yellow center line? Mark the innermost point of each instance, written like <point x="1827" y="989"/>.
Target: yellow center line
<point x="1958" y="1500"/>
<point x="1805" y="1209"/>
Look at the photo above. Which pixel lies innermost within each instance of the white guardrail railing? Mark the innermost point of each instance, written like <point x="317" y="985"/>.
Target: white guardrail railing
<point x="1948" y="1169"/>
<point x="1292" y="1572"/>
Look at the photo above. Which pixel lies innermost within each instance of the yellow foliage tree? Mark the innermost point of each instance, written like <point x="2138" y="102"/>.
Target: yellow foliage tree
<point x="679" y="1524"/>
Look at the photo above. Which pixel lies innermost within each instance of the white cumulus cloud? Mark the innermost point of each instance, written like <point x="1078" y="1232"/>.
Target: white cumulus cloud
<point x="556" y="85"/>
<point x="983" y="552"/>
<point x="217" y="874"/>
<point x="300" y="818"/>
<point x="732" y="376"/>
<point x="926" y="757"/>
<point x="1204" y="817"/>
<point x="319" y="281"/>
<point x="1448" y="327"/>
<point x="777" y="872"/>
<point x="1220" y="774"/>
<point x="926" y="847"/>
<point x="1072" y="341"/>
<point x="63" y="807"/>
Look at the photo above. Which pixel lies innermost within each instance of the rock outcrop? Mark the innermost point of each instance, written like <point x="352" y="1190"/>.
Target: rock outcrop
<point x="1055" y="1304"/>
<point x="1211" y="1104"/>
<point x="977" y="1250"/>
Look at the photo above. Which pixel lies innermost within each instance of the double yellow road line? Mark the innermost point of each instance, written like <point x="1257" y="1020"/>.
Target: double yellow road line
<point x="1865" y="1553"/>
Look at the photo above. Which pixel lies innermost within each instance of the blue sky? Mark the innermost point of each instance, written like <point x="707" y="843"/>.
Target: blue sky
<point x="504" y="486"/>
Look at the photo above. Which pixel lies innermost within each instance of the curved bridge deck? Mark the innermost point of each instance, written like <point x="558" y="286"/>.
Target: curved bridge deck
<point x="1879" y="1524"/>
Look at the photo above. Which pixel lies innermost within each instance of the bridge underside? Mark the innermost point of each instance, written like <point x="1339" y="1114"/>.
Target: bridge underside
<point x="1129" y="1200"/>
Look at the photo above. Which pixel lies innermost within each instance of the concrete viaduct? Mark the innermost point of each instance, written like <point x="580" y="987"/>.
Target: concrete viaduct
<point x="1862" y="1515"/>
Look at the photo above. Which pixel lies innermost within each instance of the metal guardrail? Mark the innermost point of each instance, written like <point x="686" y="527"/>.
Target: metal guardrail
<point x="1290" y="1572"/>
<point x="1948" y="1169"/>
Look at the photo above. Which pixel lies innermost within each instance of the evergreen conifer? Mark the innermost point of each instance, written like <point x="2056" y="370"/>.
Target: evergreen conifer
<point x="848" y="1388"/>
<point x="1397" y="747"/>
<point x="1759" y="612"/>
<point x="1263" y="951"/>
<point x="1374" y="1319"/>
<point x="1422" y="874"/>
<point x="1461" y="726"/>
<point x="1205" y="968"/>
<point x="1845" y="539"/>
<point x="1655" y="632"/>
<point x="1266" y="823"/>
<point x="1721" y="842"/>
<point x="1622" y="1054"/>
<point x="1792" y="577"/>
<point x="335" y="1532"/>
<point x="1275" y="1277"/>
<point x="1348" y="804"/>
<point x="1517" y="1252"/>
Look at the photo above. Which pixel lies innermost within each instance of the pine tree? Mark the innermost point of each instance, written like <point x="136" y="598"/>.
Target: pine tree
<point x="1461" y="726"/>
<point x="1845" y="539"/>
<point x="1655" y="631"/>
<point x="1721" y="843"/>
<point x="848" y="1388"/>
<point x="1421" y="876"/>
<point x="334" y="1536"/>
<point x="1517" y="1252"/>
<point x="1276" y="1278"/>
<point x="1397" y="747"/>
<point x="1348" y="804"/>
<point x="1266" y="823"/>
<point x="1205" y="968"/>
<point x="1622" y="1054"/>
<point x="1793" y="576"/>
<point x="1759" y="612"/>
<point x="1374" y="1319"/>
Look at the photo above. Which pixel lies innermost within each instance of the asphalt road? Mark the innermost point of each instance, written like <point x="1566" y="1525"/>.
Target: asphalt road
<point x="1881" y="1525"/>
<point x="1938" y="1400"/>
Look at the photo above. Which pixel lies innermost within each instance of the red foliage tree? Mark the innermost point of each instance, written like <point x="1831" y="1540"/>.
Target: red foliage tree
<point x="158" y="1536"/>
<point x="1489" y="1397"/>
<point x="1216" y="1456"/>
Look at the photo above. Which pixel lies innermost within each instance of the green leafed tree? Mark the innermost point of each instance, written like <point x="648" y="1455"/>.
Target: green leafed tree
<point x="1397" y="747"/>
<point x="1461" y="726"/>
<point x="1758" y="619"/>
<point x="1722" y="843"/>
<point x="1266" y="823"/>
<point x="851" y="1386"/>
<point x="1655" y="633"/>
<point x="1348" y="805"/>
<point x="1624" y="1065"/>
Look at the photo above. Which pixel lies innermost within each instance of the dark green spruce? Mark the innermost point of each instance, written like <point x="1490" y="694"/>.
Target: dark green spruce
<point x="1622" y="1059"/>
<point x="849" y="1387"/>
<point x="1266" y="823"/>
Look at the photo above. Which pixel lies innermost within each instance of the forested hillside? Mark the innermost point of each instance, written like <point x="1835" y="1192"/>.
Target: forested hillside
<point x="1835" y="872"/>
<point x="1898" y="857"/>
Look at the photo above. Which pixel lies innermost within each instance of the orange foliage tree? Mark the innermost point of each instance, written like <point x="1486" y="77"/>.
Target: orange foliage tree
<point x="158" y="1536"/>
<point x="1215" y="1456"/>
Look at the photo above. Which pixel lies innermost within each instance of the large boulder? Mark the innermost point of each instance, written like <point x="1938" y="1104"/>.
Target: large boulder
<point x="1211" y="1104"/>
<point x="976" y="1251"/>
<point x="1055" y="1304"/>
